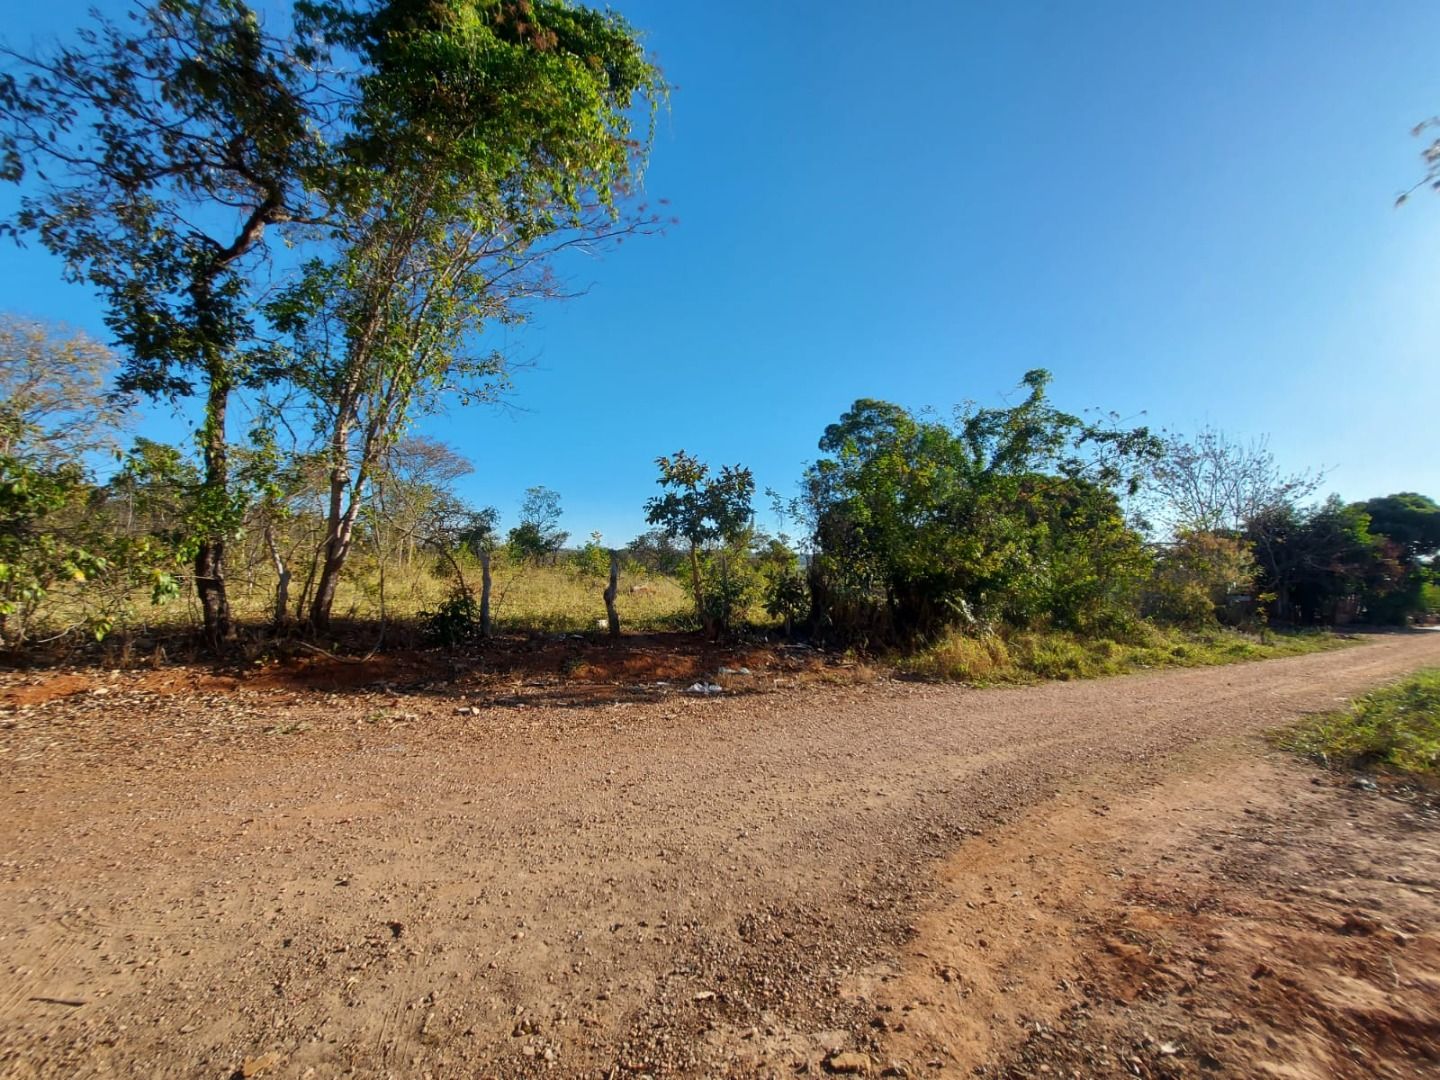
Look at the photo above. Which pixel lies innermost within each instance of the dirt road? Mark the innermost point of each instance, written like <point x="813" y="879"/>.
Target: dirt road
<point x="302" y="884"/>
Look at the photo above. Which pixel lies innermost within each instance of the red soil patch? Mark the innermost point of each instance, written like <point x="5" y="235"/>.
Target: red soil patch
<point x="37" y="690"/>
<point x="632" y="660"/>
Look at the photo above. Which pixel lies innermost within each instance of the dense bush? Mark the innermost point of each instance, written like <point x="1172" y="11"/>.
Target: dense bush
<point x="1003" y="516"/>
<point x="454" y="622"/>
<point x="1196" y="574"/>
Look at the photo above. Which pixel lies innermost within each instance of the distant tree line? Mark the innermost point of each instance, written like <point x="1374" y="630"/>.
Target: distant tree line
<point x="302" y="228"/>
<point x="906" y="526"/>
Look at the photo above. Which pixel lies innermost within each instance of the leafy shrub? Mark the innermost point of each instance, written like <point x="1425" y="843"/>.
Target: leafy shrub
<point x="593" y="559"/>
<point x="454" y="622"/>
<point x="730" y="585"/>
<point x="1011" y="515"/>
<point x="787" y="598"/>
<point x="1195" y="575"/>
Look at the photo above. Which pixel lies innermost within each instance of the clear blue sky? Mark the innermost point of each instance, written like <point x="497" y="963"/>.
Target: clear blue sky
<point x="1182" y="210"/>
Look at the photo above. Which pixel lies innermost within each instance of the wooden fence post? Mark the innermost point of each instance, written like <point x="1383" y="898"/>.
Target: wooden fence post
<point x="485" y="594"/>
<point x="612" y="617"/>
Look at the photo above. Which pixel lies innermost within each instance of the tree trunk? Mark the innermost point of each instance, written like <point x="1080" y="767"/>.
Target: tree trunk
<point x="485" y="594"/>
<point x="336" y="549"/>
<point x="612" y="618"/>
<point x="210" y="556"/>
<point x="282" y="582"/>
<point x="699" y="590"/>
<point x="723" y="623"/>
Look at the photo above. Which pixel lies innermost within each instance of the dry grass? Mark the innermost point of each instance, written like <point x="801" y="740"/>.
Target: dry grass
<point x="545" y="598"/>
<point x="1025" y="656"/>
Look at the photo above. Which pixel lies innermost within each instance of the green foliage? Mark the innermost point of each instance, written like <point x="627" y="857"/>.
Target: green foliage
<point x="69" y="552"/>
<point x="1320" y="562"/>
<point x="593" y="559"/>
<point x="1409" y="524"/>
<point x="1194" y="575"/>
<point x="697" y="507"/>
<point x="538" y="536"/>
<point x="454" y="622"/>
<point x="158" y="162"/>
<point x="1397" y="727"/>
<point x="35" y="554"/>
<point x="730" y="584"/>
<point x="483" y="139"/>
<point x="1005" y="515"/>
<point x="1408" y="519"/>
<point x="711" y="513"/>
<point x="132" y="137"/>
<point x="785" y="594"/>
<point x="66" y="565"/>
<point x="433" y="158"/>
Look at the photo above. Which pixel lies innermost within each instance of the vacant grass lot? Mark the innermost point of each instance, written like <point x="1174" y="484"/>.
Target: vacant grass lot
<point x="546" y="598"/>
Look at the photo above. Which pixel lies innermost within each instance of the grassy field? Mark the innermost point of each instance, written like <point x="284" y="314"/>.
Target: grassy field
<point x="546" y="598"/>
<point x="1396" y="727"/>
<point x="1031" y="655"/>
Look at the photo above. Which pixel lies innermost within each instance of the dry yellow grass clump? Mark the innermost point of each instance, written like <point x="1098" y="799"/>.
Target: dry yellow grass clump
<point x="1024" y="656"/>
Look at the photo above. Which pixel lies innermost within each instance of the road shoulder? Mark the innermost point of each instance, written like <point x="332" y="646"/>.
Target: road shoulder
<point x="1246" y="915"/>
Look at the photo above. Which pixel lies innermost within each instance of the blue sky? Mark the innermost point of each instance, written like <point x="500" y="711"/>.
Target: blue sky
<point x="1184" y="211"/>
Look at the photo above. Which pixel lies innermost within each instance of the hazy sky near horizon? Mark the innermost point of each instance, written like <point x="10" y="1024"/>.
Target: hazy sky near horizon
<point x="1184" y="211"/>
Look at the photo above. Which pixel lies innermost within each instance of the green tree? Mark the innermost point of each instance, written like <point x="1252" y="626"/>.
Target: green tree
<point x="711" y="513"/>
<point x="1320" y="562"/>
<point x="1411" y="520"/>
<point x="486" y="138"/>
<point x="538" y="536"/>
<point x="66" y="557"/>
<point x="1006" y="514"/>
<point x="1411" y="523"/>
<point x="157" y="161"/>
<point x="593" y="558"/>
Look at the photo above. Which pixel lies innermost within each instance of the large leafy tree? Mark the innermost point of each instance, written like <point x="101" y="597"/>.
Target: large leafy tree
<point x="157" y="158"/>
<point x="440" y="164"/>
<point x="1315" y="562"/>
<point x="1409" y="519"/>
<point x="487" y="137"/>
<point x="1005" y="513"/>
<point x="1410" y="524"/>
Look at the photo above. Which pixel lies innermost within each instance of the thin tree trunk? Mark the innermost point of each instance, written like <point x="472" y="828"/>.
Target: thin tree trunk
<point x="612" y="618"/>
<point x="210" y="555"/>
<point x="337" y="548"/>
<point x="336" y="540"/>
<point x="282" y="583"/>
<point x="698" y="589"/>
<point x="485" y="594"/>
